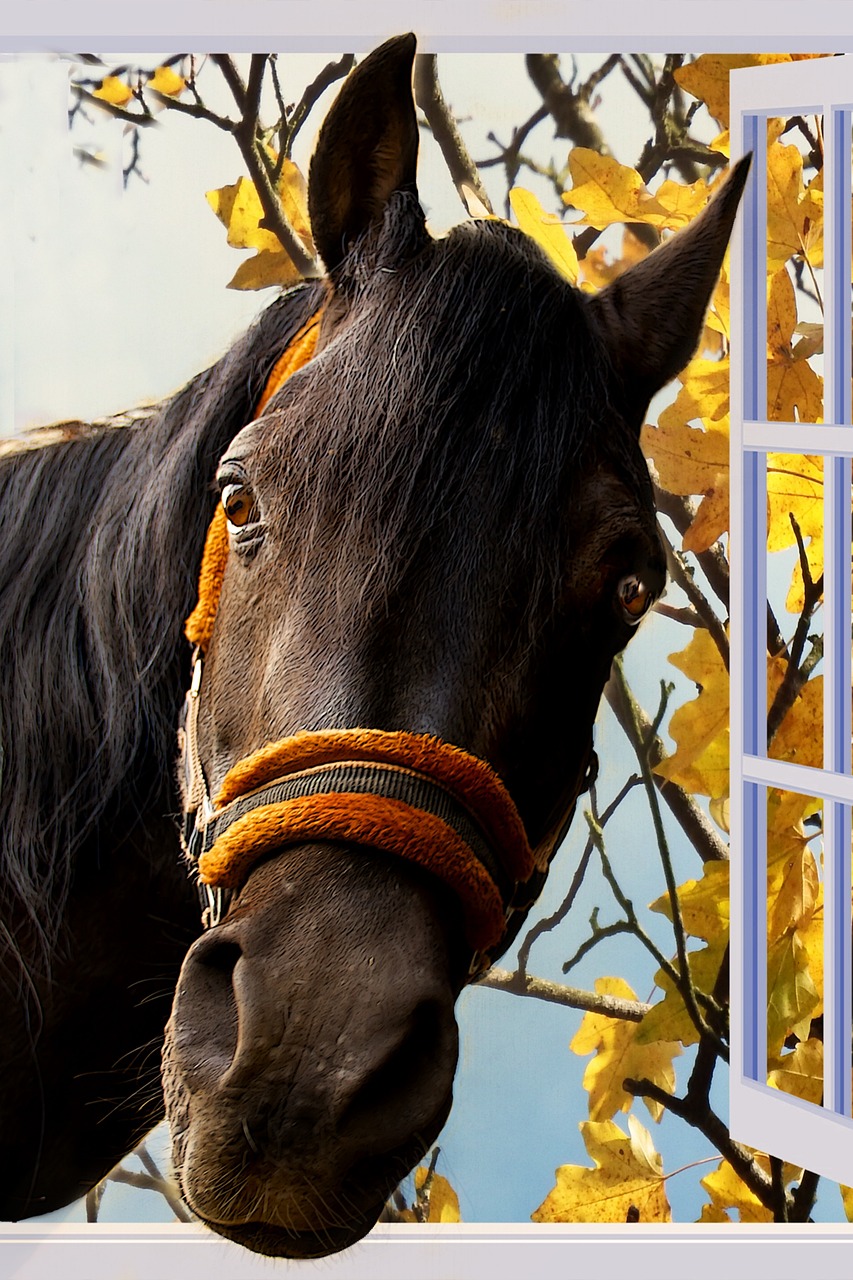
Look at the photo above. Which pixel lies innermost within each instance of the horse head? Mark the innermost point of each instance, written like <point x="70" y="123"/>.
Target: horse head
<point x="436" y="538"/>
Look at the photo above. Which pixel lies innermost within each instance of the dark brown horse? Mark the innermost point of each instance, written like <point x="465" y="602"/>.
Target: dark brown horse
<point x="441" y="526"/>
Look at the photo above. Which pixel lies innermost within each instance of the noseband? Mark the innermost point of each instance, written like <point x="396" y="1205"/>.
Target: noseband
<point x="410" y="795"/>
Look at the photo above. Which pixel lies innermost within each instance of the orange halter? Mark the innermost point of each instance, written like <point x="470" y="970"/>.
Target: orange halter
<point x="407" y="794"/>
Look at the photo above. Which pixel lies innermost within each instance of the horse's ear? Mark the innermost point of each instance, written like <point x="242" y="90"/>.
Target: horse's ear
<point x="367" y="150"/>
<point x="652" y="316"/>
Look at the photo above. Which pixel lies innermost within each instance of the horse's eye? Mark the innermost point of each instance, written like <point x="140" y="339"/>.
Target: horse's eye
<point x="239" y="503"/>
<point x="634" y="597"/>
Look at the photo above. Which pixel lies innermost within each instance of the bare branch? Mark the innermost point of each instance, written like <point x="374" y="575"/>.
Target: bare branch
<point x="571" y="997"/>
<point x="547" y="923"/>
<point x="695" y="825"/>
<point x="431" y="101"/>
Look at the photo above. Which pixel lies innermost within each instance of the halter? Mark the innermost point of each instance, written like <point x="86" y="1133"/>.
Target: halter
<point x="411" y="795"/>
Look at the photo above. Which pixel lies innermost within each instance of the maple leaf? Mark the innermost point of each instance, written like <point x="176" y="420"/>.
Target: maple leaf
<point x="618" y="1057"/>
<point x="795" y="487"/>
<point x="628" y="1175"/>
<point x="792" y="997"/>
<point x="799" y="1072"/>
<point x="701" y="727"/>
<point x="793" y="881"/>
<point x="547" y="230"/>
<point x="704" y="903"/>
<point x="669" y="1018"/>
<point x="727" y="1191"/>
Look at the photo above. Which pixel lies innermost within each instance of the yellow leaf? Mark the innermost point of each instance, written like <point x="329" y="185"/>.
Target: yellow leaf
<point x="607" y="192"/>
<point x="114" y="91"/>
<point x="597" y="270"/>
<point x="719" y="811"/>
<point x="781" y="314"/>
<point x="618" y="1057"/>
<point x="688" y="459"/>
<point x="681" y="201"/>
<point x="443" y="1200"/>
<point x="795" y="486"/>
<point x="727" y="1191"/>
<point x="704" y="903"/>
<point x="293" y="193"/>
<point x="547" y="230"/>
<point x="239" y="208"/>
<point x="167" y="81"/>
<point x="713" y="1213"/>
<point x="810" y="934"/>
<point x="799" y="1072"/>
<point x="785" y="212"/>
<point x="847" y="1201"/>
<point x="792" y="875"/>
<point x="669" y="1019"/>
<point x="712" y="517"/>
<point x="707" y="77"/>
<point x="700" y="727"/>
<point x="265" y="269"/>
<point x="704" y="393"/>
<point x="791" y="994"/>
<point x="628" y="1175"/>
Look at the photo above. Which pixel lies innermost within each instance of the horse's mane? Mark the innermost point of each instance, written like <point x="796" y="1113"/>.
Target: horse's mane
<point x="101" y="529"/>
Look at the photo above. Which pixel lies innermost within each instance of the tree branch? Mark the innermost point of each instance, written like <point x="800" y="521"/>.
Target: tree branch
<point x="431" y="101"/>
<point x="570" y="997"/>
<point x="693" y="822"/>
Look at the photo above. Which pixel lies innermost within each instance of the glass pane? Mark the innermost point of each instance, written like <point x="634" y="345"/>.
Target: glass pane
<point x="795" y="944"/>
<point x="795" y="529"/>
<point x="795" y="269"/>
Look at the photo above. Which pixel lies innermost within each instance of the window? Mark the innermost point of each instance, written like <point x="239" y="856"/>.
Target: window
<point x="817" y="1135"/>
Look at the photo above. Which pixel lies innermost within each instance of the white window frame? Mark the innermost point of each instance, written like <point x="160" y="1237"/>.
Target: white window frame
<point x="819" y="1138"/>
<point x="103" y="1251"/>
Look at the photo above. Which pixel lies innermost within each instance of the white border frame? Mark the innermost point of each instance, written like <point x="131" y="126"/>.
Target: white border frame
<point x="645" y="1252"/>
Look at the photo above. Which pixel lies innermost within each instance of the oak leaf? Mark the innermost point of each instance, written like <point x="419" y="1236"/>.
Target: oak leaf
<point x="239" y="208"/>
<point x="628" y="1176"/>
<point x="547" y="230"/>
<point x="707" y="77"/>
<point x="618" y="1056"/>
<point x="607" y="192"/>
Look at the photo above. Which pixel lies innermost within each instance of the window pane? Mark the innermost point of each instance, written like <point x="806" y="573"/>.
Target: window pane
<point x="795" y="269"/>
<point x="795" y="944"/>
<point x="795" y="533"/>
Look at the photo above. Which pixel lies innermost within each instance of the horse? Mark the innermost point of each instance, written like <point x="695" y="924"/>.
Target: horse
<point x="432" y="542"/>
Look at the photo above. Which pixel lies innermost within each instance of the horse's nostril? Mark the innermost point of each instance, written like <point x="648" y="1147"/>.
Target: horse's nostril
<point x="205" y="1020"/>
<point x="413" y="1058"/>
<point x="220" y="955"/>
